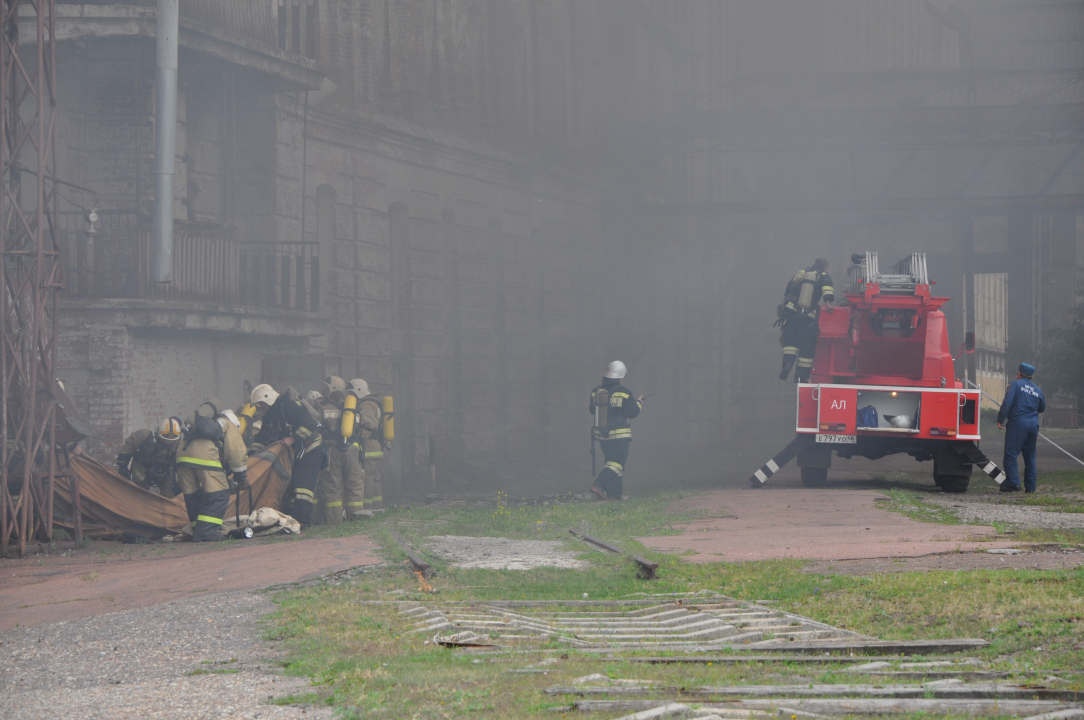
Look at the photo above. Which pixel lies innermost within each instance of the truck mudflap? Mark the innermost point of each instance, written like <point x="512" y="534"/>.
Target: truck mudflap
<point x="780" y="459"/>
<point x="969" y="450"/>
<point x="978" y="459"/>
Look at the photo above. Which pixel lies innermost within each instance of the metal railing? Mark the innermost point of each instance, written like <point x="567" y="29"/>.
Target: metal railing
<point x="281" y="274"/>
<point x="209" y="265"/>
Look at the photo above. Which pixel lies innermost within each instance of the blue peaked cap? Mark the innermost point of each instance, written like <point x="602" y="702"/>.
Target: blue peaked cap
<point x="1026" y="369"/>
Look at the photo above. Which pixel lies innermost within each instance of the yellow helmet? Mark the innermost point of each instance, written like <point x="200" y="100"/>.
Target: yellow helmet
<point x="170" y="429"/>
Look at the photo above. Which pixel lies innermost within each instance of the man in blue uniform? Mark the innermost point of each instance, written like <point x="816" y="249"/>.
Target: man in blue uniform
<point x="1022" y="404"/>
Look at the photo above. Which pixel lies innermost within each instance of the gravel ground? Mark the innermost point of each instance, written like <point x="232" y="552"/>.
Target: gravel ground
<point x="986" y="512"/>
<point x="201" y="657"/>
<point x="503" y="554"/>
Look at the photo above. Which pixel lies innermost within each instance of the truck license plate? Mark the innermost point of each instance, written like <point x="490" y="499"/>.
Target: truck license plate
<point x="842" y="439"/>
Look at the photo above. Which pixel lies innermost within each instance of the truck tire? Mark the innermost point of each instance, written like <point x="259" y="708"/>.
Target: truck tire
<point x="814" y="476"/>
<point x="952" y="483"/>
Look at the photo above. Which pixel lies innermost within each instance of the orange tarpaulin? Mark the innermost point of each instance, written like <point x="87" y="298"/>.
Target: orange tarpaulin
<point x="112" y="505"/>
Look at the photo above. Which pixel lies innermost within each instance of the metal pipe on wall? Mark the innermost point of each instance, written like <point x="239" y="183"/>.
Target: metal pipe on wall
<point x="165" y="138"/>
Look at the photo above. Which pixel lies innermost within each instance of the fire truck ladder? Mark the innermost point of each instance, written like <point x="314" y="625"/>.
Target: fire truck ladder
<point x="906" y="275"/>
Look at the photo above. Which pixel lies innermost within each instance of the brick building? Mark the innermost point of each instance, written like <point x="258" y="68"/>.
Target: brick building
<point x="474" y="204"/>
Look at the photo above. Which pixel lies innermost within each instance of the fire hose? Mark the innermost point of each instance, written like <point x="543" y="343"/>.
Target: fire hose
<point x="1044" y="437"/>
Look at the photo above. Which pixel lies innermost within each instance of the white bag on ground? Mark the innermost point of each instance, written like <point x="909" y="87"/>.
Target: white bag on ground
<point x="266" y="518"/>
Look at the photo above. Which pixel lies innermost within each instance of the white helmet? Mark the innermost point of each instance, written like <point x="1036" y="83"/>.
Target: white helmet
<point x="314" y="398"/>
<point x="334" y="384"/>
<point x="615" y="370"/>
<point x="359" y="388"/>
<point x="170" y="429"/>
<point x="232" y="417"/>
<point x="263" y="394"/>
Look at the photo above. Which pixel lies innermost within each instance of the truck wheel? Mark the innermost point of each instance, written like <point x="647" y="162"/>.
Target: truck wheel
<point x="814" y="476"/>
<point x="952" y="483"/>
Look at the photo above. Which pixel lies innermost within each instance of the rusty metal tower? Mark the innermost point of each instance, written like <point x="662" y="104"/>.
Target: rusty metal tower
<point x="32" y="274"/>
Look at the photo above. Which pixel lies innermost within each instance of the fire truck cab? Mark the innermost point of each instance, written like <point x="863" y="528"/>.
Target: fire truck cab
<point x="883" y="382"/>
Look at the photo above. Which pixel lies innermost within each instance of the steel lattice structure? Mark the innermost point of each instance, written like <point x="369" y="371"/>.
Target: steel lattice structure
<point x="32" y="274"/>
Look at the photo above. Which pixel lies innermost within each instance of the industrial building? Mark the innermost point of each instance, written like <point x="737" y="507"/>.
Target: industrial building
<point x="475" y="204"/>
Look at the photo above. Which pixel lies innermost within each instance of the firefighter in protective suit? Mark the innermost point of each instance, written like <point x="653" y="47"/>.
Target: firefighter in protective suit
<point x="147" y="456"/>
<point x="287" y="418"/>
<point x="799" y="314"/>
<point x="370" y="430"/>
<point x="342" y="484"/>
<point x="203" y="461"/>
<point x="613" y="406"/>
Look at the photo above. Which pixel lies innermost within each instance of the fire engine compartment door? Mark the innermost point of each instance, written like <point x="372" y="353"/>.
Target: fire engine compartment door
<point x="837" y="410"/>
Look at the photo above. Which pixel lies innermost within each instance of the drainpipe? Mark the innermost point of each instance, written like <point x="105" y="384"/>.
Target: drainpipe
<point x="165" y="139"/>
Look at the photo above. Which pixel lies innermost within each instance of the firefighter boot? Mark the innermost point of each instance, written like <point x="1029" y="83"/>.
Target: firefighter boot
<point x="208" y="525"/>
<point x="301" y="507"/>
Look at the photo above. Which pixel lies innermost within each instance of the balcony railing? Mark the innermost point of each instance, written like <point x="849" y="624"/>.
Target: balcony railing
<point x="209" y="265"/>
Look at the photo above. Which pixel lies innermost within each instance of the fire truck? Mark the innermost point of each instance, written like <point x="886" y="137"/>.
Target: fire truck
<point x="883" y="382"/>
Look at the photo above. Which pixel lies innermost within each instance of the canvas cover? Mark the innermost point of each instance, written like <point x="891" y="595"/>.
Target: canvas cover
<point x="112" y="505"/>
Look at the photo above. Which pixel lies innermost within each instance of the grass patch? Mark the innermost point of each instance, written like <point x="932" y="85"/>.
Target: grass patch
<point x="1059" y="481"/>
<point x="915" y="507"/>
<point x="365" y="661"/>
<point x="1061" y="504"/>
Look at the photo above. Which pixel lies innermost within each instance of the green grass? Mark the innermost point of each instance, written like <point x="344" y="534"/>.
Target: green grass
<point x="915" y="507"/>
<point x="365" y="662"/>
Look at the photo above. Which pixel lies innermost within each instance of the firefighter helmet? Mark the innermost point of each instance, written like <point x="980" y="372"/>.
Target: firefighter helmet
<point x="334" y="384"/>
<point x="314" y="398"/>
<point x="208" y="409"/>
<point x="264" y="394"/>
<point x="615" y="370"/>
<point x="359" y="388"/>
<point x="232" y="417"/>
<point x="170" y="429"/>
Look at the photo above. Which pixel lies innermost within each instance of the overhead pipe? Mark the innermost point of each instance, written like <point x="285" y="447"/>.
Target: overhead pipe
<point x="165" y="138"/>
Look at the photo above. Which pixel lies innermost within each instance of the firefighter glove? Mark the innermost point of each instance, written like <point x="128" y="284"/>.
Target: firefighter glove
<point x="241" y="478"/>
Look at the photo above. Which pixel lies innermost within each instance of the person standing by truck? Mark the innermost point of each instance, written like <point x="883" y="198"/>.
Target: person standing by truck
<point x="1021" y="407"/>
<point x="799" y="314"/>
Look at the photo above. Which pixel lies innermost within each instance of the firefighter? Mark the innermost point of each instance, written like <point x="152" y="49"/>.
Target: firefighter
<point x="1021" y="407"/>
<point x="287" y="418"/>
<point x="799" y="314"/>
<point x="147" y="457"/>
<point x="342" y="484"/>
<point x="371" y="434"/>
<point x="613" y="401"/>
<point x="212" y="448"/>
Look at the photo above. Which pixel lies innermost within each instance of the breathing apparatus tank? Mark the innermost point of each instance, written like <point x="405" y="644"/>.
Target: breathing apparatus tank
<point x="346" y="425"/>
<point x="805" y="294"/>
<point x="602" y="413"/>
<point x="247" y="413"/>
<point x="388" y="419"/>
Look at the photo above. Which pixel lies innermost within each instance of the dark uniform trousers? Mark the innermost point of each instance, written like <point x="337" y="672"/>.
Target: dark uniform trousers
<point x="303" y="479"/>
<point x="616" y="453"/>
<point x="800" y="335"/>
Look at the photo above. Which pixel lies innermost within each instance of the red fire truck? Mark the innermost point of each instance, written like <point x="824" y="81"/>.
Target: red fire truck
<point x="883" y="382"/>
